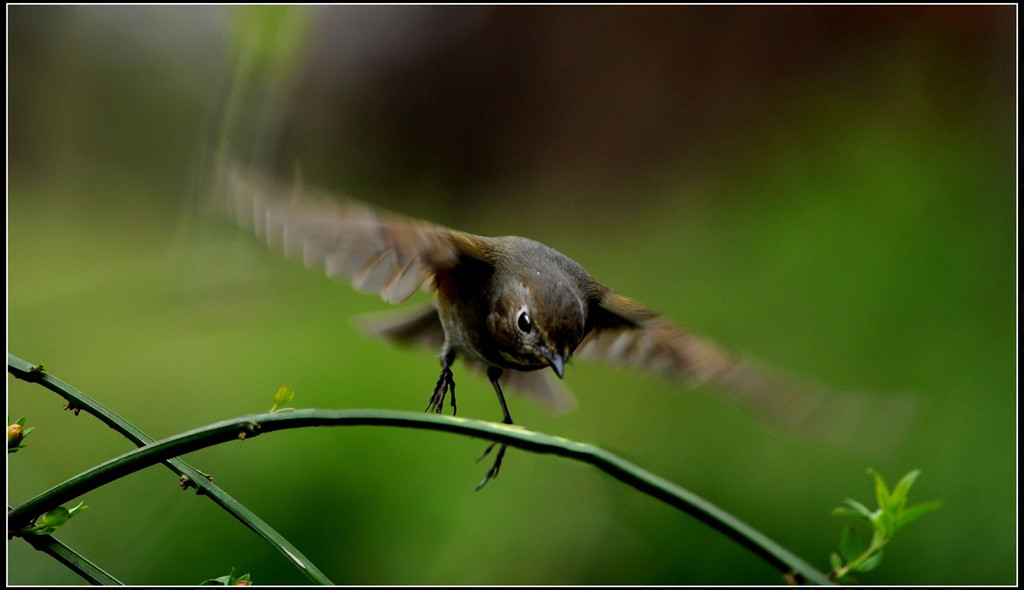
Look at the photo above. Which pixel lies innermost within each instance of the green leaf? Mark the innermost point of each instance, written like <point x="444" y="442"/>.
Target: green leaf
<point x="912" y="513"/>
<point x="881" y="491"/>
<point x="50" y="521"/>
<point x="885" y="522"/>
<point x="54" y="519"/>
<point x="870" y="563"/>
<point x="283" y="396"/>
<point x="899" y="493"/>
<point x="852" y="543"/>
<point x="841" y="511"/>
<point x="835" y="561"/>
<point x="862" y="509"/>
<point x="226" y="580"/>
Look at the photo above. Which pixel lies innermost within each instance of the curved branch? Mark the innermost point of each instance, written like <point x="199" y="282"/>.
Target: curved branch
<point x="252" y="425"/>
<point x="79" y="401"/>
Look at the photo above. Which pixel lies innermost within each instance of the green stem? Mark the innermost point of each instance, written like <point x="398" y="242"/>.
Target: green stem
<point x="878" y="540"/>
<point x="252" y="425"/>
<point x="28" y="372"/>
<point x="74" y="561"/>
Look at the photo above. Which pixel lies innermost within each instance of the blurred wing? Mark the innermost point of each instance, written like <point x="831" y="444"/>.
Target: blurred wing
<point x="626" y="333"/>
<point x="422" y="326"/>
<point x="380" y="252"/>
<point x="540" y="385"/>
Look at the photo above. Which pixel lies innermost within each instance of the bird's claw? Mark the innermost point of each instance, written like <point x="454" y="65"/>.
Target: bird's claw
<point x="495" y="468"/>
<point x="445" y="384"/>
<point x="486" y="452"/>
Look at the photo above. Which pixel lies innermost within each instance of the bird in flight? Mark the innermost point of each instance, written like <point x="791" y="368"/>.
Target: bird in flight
<point x="513" y="307"/>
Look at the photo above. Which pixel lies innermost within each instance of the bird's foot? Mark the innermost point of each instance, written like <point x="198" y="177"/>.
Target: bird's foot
<point x="445" y="384"/>
<point x="493" y="471"/>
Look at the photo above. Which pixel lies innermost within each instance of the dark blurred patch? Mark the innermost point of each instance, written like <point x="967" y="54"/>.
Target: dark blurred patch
<point x="102" y="87"/>
<point x="613" y="95"/>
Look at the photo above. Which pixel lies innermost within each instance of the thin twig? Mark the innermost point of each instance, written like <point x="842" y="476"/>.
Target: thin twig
<point x="28" y="372"/>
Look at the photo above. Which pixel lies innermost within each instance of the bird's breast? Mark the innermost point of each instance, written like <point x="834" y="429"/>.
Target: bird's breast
<point x="462" y="308"/>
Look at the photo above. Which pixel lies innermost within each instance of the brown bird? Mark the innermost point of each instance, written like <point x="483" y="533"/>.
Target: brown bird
<point x="513" y="306"/>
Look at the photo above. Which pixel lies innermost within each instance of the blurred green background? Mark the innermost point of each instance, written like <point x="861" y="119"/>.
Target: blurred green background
<point x="831" y="189"/>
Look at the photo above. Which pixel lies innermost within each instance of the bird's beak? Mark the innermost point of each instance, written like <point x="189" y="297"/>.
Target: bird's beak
<point x="557" y="363"/>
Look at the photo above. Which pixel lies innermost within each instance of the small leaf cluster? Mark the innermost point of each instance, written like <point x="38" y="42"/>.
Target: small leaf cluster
<point x="53" y="520"/>
<point x="16" y="433"/>
<point x="229" y="580"/>
<point x="282" y="397"/>
<point x="859" y="553"/>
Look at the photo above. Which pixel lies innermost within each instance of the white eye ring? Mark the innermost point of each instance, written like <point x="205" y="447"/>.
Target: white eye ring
<point x="524" y="322"/>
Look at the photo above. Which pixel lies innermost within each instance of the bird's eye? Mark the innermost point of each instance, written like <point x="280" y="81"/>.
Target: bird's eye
<point x="525" y="324"/>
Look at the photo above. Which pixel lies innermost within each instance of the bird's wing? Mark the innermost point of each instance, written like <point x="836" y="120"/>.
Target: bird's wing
<point x="540" y="385"/>
<point x="626" y="333"/>
<point x="422" y="326"/>
<point x="380" y="252"/>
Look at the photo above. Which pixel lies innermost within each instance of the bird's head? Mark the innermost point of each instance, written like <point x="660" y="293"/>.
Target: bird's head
<point x="538" y="320"/>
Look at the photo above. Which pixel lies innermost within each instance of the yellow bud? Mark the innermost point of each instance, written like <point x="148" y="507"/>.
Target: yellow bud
<point x="14" y="435"/>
